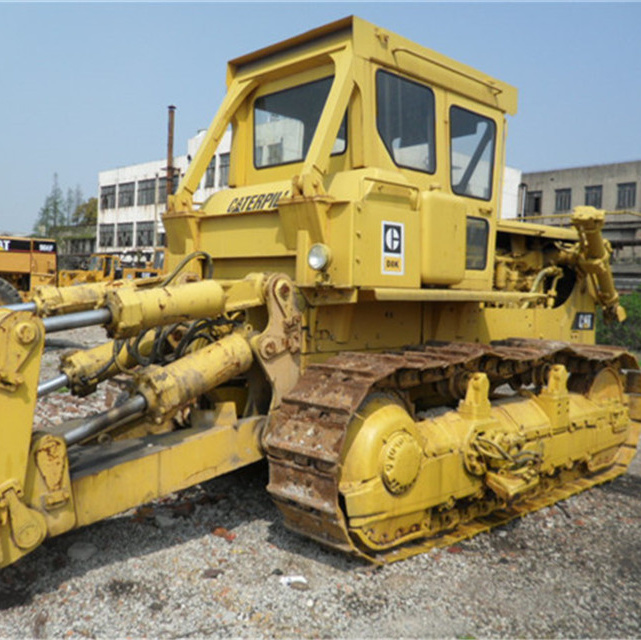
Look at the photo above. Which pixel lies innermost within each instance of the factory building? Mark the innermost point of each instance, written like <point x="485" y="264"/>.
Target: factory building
<point x="613" y="187"/>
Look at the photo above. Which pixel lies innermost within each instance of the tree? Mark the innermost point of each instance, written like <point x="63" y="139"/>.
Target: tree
<point x="70" y="206"/>
<point x="52" y="212"/>
<point x="73" y="200"/>
<point x="78" y="200"/>
<point x="86" y="212"/>
<point x="59" y="211"/>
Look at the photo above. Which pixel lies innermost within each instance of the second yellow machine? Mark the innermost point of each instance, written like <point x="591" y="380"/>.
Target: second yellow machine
<point x="414" y="368"/>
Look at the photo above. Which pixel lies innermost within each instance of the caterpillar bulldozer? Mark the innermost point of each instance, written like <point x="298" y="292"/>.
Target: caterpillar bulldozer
<point x="25" y="264"/>
<point x="104" y="267"/>
<point x="414" y="369"/>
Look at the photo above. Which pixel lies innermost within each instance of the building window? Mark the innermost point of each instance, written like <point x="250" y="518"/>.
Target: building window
<point x="145" y="234"/>
<point x="275" y="153"/>
<point x="562" y="199"/>
<point x="626" y="195"/>
<point x="210" y="175"/>
<point x="80" y="246"/>
<point x="533" y="200"/>
<point x="223" y="173"/>
<point x="162" y="188"/>
<point x="146" y="192"/>
<point x="126" y="193"/>
<point x="108" y="197"/>
<point x="86" y="246"/>
<point x="106" y="235"/>
<point x="162" y="191"/>
<point x="125" y="234"/>
<point x="594" y="196"/>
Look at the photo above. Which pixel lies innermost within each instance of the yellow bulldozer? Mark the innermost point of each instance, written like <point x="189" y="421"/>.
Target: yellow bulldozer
<point x="25" y="264"/>
<point x="107" y="267"/>
<point x="414" y="368"/>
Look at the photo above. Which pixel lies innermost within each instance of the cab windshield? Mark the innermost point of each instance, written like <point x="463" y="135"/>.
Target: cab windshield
<point x="285" y="123"/>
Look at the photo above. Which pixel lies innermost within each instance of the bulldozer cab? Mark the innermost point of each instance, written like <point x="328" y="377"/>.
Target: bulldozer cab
<point x="396" y="153"/>
<point x="105" y="267"/>
<point x="25" y="264"/>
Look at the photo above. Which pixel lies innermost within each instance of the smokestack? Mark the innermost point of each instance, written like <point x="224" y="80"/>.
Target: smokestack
<point x="170" y="150"/>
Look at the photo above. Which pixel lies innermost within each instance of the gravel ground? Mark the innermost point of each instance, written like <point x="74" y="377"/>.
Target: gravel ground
<point x="216" y="561"/>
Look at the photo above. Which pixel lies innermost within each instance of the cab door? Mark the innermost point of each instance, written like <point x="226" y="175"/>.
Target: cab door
<point x="475" y="158"/>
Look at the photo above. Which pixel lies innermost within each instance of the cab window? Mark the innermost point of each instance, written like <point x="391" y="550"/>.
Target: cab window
<point x="285" y="123"/>
<point x="405" y="121"/>
<point x="473" y="139"/>
<point x="477" y="236"/>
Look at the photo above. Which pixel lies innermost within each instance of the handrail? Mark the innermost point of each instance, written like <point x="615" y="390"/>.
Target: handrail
<point x="488" y="83"/>
<point x="547" y="216"/>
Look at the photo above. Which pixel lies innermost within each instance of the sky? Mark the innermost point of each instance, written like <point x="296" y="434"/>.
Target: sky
<point x="84" y="87"/>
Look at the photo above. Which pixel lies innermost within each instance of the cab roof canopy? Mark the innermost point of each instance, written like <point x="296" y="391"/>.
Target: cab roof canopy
<point x="385" y="48"/>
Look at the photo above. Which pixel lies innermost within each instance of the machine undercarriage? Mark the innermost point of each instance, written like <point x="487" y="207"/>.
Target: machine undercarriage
<point x="354" y="465"/>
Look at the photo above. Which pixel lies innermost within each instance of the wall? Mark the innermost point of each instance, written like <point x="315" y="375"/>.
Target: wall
<point x="609" y="176"/>
<point x="510" y="196"/>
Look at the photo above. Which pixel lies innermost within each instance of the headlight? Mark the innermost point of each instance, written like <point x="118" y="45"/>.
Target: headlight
<point x="319" y="257"/>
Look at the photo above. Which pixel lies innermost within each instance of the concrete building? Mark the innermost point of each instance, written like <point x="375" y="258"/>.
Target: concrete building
<point x="133" y="199"/>
<point x="613" y="187"/>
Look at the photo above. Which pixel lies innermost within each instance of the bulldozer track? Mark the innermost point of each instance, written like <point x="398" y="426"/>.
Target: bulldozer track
<point x="305" y="439"/>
